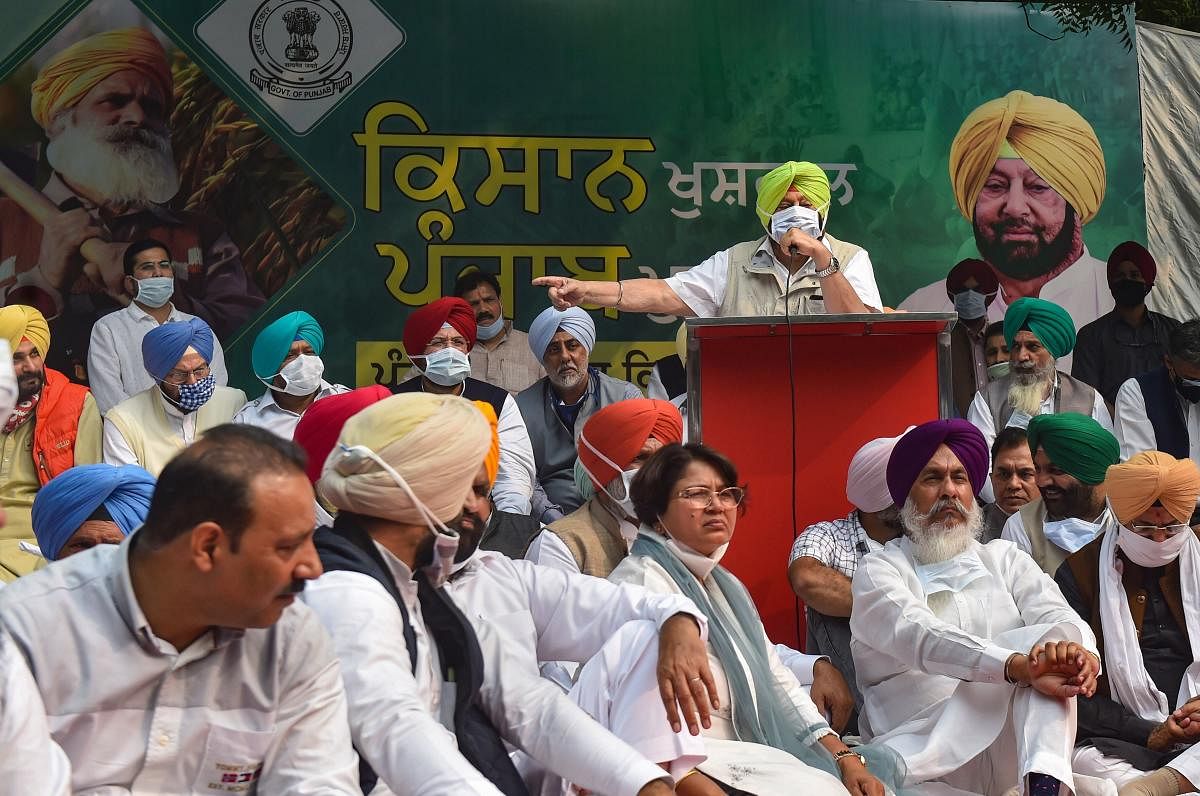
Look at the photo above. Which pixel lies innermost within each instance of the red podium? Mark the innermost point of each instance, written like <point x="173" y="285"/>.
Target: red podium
<point x="790" y="403"/>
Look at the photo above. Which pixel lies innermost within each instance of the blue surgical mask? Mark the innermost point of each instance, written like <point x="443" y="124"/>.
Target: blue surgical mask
<point x="1070" y="534"/>
<point x="806" y="219"/>
<point x="491" y="330"/>
<point x="448" y="367"/>
<point x="195" y="395"/>
<point x="155" y="291"/>
<point x="970" y="305"/>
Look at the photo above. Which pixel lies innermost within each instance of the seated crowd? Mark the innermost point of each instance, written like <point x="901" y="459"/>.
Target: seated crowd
<point x="503" y="574"/>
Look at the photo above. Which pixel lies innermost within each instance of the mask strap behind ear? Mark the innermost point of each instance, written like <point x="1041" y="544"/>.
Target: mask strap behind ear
<point x="362" y="450"/>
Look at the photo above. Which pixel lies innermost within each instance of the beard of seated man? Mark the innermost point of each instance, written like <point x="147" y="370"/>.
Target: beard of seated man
<point x="1028" y="388"/>
<point x="126" y="165"/>
<point x="934" y="542"/>
<point x="1075" y="501"/>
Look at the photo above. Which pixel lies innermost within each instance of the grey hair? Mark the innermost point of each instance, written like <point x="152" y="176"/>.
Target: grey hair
<point x="1184" y="343"/>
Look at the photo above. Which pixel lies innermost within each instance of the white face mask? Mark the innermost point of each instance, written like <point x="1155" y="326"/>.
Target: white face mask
<point x="1149" y="553"/>
<point x="698" y="564"/>
<point x="448" y="367"/>
<point x="155" y="291"/>
<point x="998" y="371"/>
<point x="301" y="376"/>
<point x="806" y="219"/>
<point x="1071" y="534"/>
<point x="624" y="501"/>
<point x="970" y="305"/>
<point x="491" y="330"/>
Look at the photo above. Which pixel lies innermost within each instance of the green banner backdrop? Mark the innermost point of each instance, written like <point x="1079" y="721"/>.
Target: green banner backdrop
<point x="362" y="154"/>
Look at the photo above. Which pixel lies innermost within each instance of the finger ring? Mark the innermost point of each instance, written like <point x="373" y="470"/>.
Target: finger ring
<point x="694" y="679"/>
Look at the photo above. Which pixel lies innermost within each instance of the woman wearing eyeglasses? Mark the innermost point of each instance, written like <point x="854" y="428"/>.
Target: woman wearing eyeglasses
<point x="766" y="735"/>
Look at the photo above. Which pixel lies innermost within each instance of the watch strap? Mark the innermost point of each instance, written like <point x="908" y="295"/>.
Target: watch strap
<point x="834" y="267"/>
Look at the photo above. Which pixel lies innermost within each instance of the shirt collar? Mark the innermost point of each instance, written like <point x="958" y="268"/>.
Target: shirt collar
<point x="398" y="569"/>
<point x="140" y="314"/>
<point x="268" y="402"/>
<point x="171" y="408"/>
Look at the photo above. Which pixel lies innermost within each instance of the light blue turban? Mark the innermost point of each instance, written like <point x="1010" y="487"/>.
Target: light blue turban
<point x="64" y="503"/>
<point x="164" y="346"/>
<point x="572" y="320"/>
<point x="273" y="343"/>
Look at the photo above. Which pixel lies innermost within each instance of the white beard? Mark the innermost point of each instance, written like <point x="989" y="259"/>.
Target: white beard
<point x="118" y="165"/>
<point x="1029" y="389"/>
<point x="940" y="541"/>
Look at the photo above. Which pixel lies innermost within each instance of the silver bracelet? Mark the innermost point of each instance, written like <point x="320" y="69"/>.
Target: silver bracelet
<point x="620" y="293"/>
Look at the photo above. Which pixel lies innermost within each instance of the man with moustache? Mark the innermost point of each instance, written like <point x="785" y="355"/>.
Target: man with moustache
<point x="556" y="406"/>
<point x="501" y="355"/>
<point x="54" y="426"/>
<point x="104" y="104"/>
<point x="1013" y="480"/>
<point x="1039" y="334"/>
<point x="967" y="655"/>
<point x="1028" y="173"/>
<point x="178" y="661"/>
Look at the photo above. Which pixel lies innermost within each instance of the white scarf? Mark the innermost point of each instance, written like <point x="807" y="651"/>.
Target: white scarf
<point x="1128" y="680"/>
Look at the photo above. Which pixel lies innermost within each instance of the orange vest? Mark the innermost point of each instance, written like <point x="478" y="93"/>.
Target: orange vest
<point x="56" y="424"/>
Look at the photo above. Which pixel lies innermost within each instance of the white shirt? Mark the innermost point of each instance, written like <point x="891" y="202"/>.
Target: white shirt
<point x="515" y="478"/>
<point x="522" y="614"/>
<point x="116" y="370"/>
<point x="1081" y="290"/>
<point x="31" y="758"/>
<point x="265" y="413"/>
<point x="980" y="416"/>
<point x="136" y="715"/>
<point x="1133" y="428"/>
<point x="703" y="286"/>
<point x="549" y="550"/>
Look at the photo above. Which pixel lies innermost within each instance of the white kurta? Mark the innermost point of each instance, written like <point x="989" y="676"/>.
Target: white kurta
<point x="515" y="478"/>
<point x="264" y="412"/>
<point x="31" y="759"/>
<point x="932" y="679"/>
<point x="1133" y="428"/>
<point x="748" y="766"/>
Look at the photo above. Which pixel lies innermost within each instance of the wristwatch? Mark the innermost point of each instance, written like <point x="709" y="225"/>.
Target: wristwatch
<point x="834" y="267"/>
<point x="837" y="758"/>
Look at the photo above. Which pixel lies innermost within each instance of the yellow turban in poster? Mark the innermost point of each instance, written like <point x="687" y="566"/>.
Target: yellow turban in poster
<point x="75" y="71"/>
<point x="1056" y="142"/>
<point x="807" y="178"/>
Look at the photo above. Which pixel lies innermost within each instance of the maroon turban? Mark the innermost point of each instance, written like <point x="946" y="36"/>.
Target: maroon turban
<point x="916" y="448"/>
<point x="319" y="427"/>
<point x="985" y="278"/>
<point x="423" y="324"/>
<point x="1135" y="253"/>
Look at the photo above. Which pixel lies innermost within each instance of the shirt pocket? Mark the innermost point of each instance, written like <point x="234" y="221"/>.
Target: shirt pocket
<point x="233" y="760"/>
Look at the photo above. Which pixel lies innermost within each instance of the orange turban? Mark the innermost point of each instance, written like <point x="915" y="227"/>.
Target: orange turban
<point x="618" y="431"/>
<point x="492" y="460"/>
<point x="1054" y="140"/>
<point x="1153" y="477"/>
<point x="75" y="71"/>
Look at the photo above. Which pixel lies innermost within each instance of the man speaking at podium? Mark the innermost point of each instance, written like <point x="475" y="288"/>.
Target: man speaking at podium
<point x="796" y="268"/>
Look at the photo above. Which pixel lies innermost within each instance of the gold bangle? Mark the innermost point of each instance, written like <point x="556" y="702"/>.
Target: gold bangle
<point x="688" y="774"/>
<point x="620" y="293"/>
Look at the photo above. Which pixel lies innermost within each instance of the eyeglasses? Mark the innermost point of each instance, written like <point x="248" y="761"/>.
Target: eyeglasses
<point x="438" y="343"/>
<point x="700" y="497"/>
<point x="184" y="376"/>
<point x="1170" y="530"/>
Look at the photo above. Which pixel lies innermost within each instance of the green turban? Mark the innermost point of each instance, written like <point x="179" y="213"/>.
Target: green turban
<point x="1050" y="324"/>
<point x="807" y="178"/>
<point x="1076" y="443"/>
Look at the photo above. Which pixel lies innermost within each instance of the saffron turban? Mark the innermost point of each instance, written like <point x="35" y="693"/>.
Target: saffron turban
<point x="164" y="345"/>
<point x="1153" y="477"/>
<point x="866" y="480"/>
<point x="1077" y="444"/>
<point x="319" y="426"/>
<point x="434" y="442"/>
<point x="20" y="322"/>
<point x="69" y="499"/>
<point x="424" y="323"/>
<point x="618" y="432"/>
<point x="1050" y="324"/>
<point x="78" y="69"/>
<point x="492" y="461"/>
<point x="807" y="178"/>
<point x="915" y="448"/>
<point x="1053" y="140"/>
<point x="273" y="343"/>
<point x="985" y="278"/>
<point x="1135" y="253"/>
<point x="573" y="320"/>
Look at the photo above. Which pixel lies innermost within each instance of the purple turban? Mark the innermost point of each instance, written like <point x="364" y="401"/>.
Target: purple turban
<point x="914" y="450"/>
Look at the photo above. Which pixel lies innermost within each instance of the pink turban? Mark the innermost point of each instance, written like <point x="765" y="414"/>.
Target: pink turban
<point x="866" y="481"/>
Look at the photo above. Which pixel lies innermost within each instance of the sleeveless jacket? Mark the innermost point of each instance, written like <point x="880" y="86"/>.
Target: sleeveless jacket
<point x="142" y="421"/>
<point x="753" y="290"/>
<point x="509" y="533"/>
<point x="473" y="390"/>
<point x="594" y="538"/>
<point x="1164" y="413"/>
<point x="1071" y="395"/>
<point x="56" y="425"/>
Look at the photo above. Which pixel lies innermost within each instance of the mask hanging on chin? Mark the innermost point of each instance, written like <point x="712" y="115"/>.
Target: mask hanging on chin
<point x="491" y="330"/>
<point x="1070" y="534"/>
<point x="1149" y="553"/>
<point x="448" y="367"/>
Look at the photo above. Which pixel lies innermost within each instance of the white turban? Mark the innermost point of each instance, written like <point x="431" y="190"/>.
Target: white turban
<point x="437" y="444"/>
<point x="866" y="481"/>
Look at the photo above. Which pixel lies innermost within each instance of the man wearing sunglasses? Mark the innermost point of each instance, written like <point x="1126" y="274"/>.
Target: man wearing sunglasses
<point x="1138" y="587"/>
<point x="115" y="367"/>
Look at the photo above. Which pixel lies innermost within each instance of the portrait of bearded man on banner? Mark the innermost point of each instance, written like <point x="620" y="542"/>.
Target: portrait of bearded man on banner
<point x="1028" y="172"/>
<point x="114" y="108"/>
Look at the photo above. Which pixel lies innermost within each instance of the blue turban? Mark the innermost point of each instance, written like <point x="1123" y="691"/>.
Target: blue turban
<point x="273" y="343"/>
<point x="572" y="320"/>
<point x="164" y="346"/>
<point x="66" y="502"/>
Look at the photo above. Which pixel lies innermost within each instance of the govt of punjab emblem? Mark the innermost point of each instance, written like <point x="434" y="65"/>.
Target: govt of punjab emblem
<point x="301" y="47"/>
